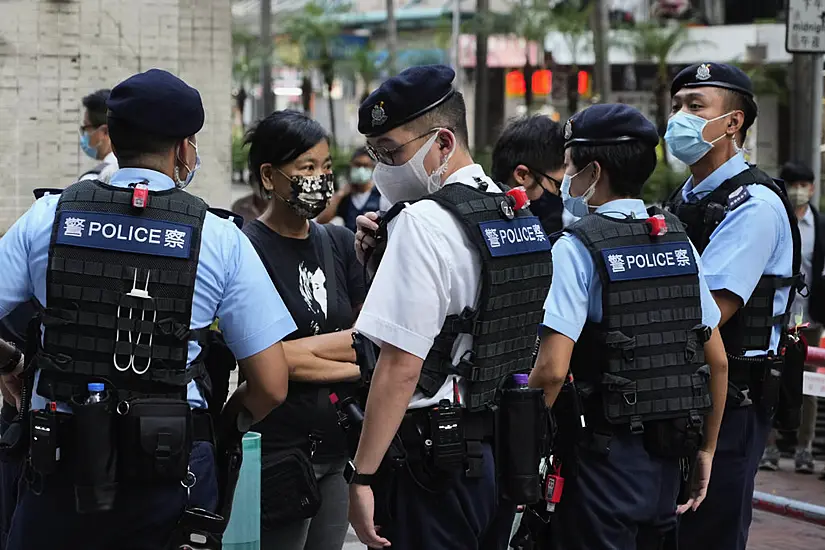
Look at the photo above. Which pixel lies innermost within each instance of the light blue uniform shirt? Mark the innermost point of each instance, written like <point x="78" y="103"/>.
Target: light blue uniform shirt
<point x="575" y="296"/>
<point x="231" y="282"/>
<point x="753" y="240"/>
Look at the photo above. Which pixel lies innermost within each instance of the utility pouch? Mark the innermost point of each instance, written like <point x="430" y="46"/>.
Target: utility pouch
<point x="155" y="439"/>
<point x="523" y="431"/>
<point x="772" y="385"/>
<point x="95" y="455"/>
<point x="789" y="406"/>
<point x="447" y="436"/>
<point x="45" y="450"/>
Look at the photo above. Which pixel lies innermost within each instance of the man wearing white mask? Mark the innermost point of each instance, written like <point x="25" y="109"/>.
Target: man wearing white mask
<point x="808" y="310"/>
<point x="742" y="223"/>
<point x="447" y="340"/>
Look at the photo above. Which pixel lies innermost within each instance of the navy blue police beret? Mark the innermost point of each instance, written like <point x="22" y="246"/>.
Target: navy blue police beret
<point x="609" y="123"/>
<point x="157" y="102"/>
<point x="715" y="75"/>
<point x="405" y="97"/>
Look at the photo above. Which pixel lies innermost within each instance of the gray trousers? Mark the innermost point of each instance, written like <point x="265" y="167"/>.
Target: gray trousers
<point x="328" y="529"/>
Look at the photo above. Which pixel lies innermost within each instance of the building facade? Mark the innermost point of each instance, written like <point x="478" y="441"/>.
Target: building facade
<point x="54" y="52"/>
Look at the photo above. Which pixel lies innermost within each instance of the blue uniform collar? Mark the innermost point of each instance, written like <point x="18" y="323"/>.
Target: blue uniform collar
<point x="733" y="167"/>
<point x="621" y="208"/>
<point x="127" y="176"/>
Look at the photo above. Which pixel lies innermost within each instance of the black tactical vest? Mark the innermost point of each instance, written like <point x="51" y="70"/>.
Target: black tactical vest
<point x="645" y="359"/>
<point x="120" y="283"/>
<point x="751" y="327"/>
<point x="516" y="270"/>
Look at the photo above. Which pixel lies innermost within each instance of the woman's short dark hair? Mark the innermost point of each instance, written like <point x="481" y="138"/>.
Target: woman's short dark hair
<point x="95" y="103"/>
<point x="628" y="164"/>
<point x="281" y="138"/>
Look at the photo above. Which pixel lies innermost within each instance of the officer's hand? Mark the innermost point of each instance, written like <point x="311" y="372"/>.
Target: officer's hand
<point x="362" y="514"/>
<point x="699" y="483"/>
<point x="365" y="236"/>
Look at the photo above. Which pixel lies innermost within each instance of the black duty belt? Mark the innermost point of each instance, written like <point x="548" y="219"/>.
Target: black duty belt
<point x="202" y="428"/>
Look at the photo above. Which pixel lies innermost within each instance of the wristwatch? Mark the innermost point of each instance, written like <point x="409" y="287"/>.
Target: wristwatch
<point x="12" y="363"/>
<point x="352" y="476"/>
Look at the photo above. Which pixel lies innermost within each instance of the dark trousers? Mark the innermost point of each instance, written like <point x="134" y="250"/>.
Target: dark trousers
<point x="143" y="519"/>
<point x="465" y="514"/>
<point x="724" y="518"/>
<point x="9" y="478"/>
<point x="624" y="499"/>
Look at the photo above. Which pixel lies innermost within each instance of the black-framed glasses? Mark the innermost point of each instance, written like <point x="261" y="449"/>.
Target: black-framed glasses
<point x="542" y="174"/>
<point x="387" y="156"/>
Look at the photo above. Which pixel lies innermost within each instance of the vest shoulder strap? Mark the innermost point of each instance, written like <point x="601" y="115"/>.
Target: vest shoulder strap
<point x="237" y="219"/>
<point x="41" y="192"/>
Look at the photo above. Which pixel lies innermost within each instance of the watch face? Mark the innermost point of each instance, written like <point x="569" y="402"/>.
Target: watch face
<point x="349" y="471"/>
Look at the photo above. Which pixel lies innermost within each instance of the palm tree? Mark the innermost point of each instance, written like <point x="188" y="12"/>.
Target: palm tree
<point x="573" y="24"/>
<point x="364" y="67"/>
<point x="246" y="67"/>
<point x="654" y="43"/>
<point x="314" y="32"/>
<point x="530" y="20"/>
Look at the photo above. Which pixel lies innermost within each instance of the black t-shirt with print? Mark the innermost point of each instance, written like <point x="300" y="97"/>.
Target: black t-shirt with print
<point x="296" y="266"/>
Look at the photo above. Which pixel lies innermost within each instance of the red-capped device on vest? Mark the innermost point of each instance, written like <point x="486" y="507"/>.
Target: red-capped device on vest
<point x="519" y="198"/>
<point x="140" y="195"/>
<point x="553" y="487"/>
<point x="658" y="225"/>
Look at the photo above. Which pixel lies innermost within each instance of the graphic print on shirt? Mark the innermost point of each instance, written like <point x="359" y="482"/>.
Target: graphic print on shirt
<point x="313" y="285"/>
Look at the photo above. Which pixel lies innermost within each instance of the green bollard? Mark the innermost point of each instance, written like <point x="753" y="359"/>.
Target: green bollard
<point x="244" y="529"/>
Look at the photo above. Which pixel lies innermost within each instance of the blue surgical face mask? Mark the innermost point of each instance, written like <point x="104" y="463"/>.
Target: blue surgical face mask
<point x="576" y="205"/>
<point x="684" y="137"/>
<point x="182" y="184"/>
<point x="87" y="148"/>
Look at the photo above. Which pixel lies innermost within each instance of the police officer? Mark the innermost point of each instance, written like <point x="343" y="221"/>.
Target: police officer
<point x="13" y="329"/>
<point x="745" y="229"/>
<point x="422" y="308"/>
<point x="131" y="274"/>
<point x="628" y="315"/>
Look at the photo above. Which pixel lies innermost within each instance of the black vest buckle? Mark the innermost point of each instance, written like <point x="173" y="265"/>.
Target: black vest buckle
<point x="636" y="425"/>
<point x="714" y="214"/>
<point x="695" y="419"/>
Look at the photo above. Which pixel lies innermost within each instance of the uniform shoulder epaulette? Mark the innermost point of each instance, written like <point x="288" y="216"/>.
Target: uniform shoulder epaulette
<point x="228" y="215"/>
<point x="738" y="197"/>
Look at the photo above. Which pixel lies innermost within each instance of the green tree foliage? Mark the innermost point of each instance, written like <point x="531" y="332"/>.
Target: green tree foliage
<point x="655" y="43"/>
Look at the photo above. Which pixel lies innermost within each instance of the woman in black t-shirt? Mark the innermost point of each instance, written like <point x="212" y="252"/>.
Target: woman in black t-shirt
<point x="317" y="274"/>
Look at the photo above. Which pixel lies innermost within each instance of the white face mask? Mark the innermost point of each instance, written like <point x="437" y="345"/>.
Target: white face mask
<point x="410" y="181"/>
<point x="798" y="195"/>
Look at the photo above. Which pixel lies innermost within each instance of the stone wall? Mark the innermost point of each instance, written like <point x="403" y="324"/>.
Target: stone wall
<point x="53" y="52"/>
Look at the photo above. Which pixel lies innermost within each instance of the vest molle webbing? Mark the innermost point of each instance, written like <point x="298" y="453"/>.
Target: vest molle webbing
<point x="751" y="327"/>
<point x="516" y="270"/>
<point x="105" y="257"/>
<point x="646" y="357"/>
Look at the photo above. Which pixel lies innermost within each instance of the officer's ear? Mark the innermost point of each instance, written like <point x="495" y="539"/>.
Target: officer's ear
<point x="105" y="129"/>
<point x="596" y="173"/>
<point x="446" y="143"/>
<point x="735" y="122"/>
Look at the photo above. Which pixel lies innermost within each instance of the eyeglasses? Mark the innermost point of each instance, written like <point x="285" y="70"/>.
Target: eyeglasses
<point x="86" y="127"/>
<point x="542" y="174"/>
<point x="387" y="156"/>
